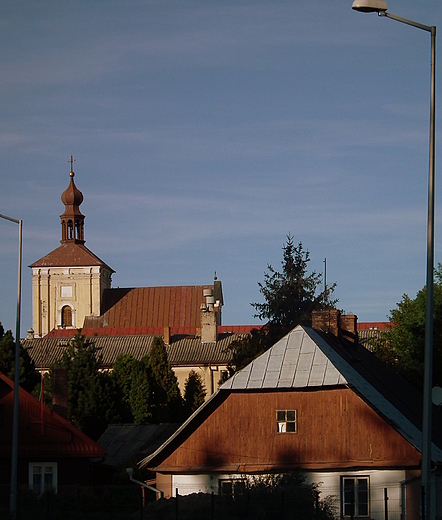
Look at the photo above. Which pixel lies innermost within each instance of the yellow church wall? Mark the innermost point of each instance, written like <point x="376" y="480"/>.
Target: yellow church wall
<point x="80" y="288"/>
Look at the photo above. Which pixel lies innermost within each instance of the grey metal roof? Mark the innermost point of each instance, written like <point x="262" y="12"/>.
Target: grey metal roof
<point x="182" y="351"/>
<point x="305" y="359"/>
<point x="295" y="361"/>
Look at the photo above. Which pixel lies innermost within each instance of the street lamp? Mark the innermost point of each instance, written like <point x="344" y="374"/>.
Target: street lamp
<point x="14" y="455"/>
<point x="380" y="7"/>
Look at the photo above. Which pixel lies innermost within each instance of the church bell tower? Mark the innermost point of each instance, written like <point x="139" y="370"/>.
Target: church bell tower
<point x="68" y="283"/>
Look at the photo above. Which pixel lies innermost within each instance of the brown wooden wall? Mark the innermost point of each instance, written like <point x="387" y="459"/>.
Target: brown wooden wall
<point x="335" y="429"/>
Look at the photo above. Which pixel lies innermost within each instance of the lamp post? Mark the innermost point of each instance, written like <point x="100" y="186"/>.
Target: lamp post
<point x="380" y="7"/>
<point x="14" y="455"/>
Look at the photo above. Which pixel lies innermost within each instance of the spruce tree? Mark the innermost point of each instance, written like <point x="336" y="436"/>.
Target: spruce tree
<point x="167" y="404"/>
<point x="290" y="296"/>
<point x="194" y="392"/>
<point x="91" y="394"/>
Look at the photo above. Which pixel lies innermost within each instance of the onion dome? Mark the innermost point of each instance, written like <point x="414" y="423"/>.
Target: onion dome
<point x="72" y="196"/>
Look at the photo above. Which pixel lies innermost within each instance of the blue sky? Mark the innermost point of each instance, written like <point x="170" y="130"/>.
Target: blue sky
<point x="206" y="131"/>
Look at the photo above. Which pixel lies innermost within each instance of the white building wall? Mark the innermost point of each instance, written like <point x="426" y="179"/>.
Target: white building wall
<point x="329" y="485"/>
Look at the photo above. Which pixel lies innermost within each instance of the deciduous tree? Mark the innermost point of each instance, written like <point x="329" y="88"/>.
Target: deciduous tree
<point x="403" y="344"/>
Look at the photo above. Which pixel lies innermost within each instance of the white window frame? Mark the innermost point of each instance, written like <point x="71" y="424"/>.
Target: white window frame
<point x="60" y="314"/>
<point x="286" y="421"/>
<point x="357" y="495"/>
<point x="43" y="467"/>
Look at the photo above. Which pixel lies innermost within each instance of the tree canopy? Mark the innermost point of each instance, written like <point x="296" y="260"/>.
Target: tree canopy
<point x="148" y="388"/>
<point x="29" y="377"/>
<point x="166" y="399"/>
<point x="194" y="392"/>
<point x="290" y="296"/>
<point x="91" y="392"/>
<point x="402" y="346"/>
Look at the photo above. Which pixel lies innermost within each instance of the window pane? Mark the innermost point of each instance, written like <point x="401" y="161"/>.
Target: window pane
<point x="239" y="487"/>
<point x="363" y="496"/>
<point x="291" y="415"/>
<point x="36" y="482"/>
<point x="48" y="481"/>
<point x="291" y="427"/>
<point x="280" y="415"/>
<point x="349" y="497"/>
<point x="226" y="488"/>
<point x="282" y="427"/>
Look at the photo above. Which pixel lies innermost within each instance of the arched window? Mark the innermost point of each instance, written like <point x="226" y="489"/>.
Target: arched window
<point x="70" y="230"/>
<point x="66" y="316"/>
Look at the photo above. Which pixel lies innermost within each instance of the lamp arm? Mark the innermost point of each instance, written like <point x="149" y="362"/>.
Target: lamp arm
<point x="405" y="20"/>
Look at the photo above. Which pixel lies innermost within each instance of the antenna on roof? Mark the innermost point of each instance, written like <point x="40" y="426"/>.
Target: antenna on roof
<point x="325" y="281"/>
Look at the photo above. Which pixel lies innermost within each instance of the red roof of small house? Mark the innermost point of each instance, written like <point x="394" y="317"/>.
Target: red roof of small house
<point x="374" y="325"/>
<point x="42" y="432"/>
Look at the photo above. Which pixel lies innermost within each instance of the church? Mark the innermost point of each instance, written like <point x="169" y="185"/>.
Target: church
<point x="72" y="289"/>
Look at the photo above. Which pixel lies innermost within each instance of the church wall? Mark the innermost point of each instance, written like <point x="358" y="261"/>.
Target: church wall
<point x="80" y="288"/>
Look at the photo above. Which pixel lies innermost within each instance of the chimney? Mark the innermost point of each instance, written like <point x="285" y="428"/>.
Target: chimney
<point x="326" y="321"/>
<point x="349" y="328"/>
<point x="342" y="327"/>
<point x="167" y="335"/>
<point x="60" y="391"/>
<point x="209" y="325"/>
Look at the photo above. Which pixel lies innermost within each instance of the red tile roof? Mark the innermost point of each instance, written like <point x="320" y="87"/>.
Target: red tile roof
<point x="151" y="331"/>
<point x="56" y="437"/>
<point x="169" y="306"/>
<point x="374" y="325"/>
<point x="70" y="254"/>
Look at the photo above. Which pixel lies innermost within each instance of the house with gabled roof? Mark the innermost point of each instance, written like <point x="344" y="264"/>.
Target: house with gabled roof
<point x="316" y="402"/>
<point x="51" y="451"/>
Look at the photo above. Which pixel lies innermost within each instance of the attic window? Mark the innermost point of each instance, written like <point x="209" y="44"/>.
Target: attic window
<point x="286" y="421"/>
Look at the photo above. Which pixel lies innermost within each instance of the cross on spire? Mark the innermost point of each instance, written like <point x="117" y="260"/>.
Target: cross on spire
<point x="72" y="160"/>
